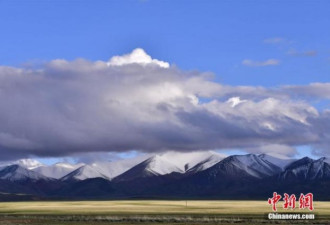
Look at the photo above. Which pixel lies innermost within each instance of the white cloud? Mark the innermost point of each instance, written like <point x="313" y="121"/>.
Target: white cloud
<point x="234" y="101"/>
<point x="276" y="150"/>
<point x="313" y="90"/>
<point x="68" y="107"/>
<point x="253" y="63"/>
<point x="138" y="56"/>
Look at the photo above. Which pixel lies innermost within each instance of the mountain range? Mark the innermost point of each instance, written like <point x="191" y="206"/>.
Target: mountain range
<point x="170" y="175"/>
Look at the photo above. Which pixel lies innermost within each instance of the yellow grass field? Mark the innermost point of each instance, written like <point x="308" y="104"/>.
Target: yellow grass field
<point x="151" y="207"/>
<point x="239" y="210"/>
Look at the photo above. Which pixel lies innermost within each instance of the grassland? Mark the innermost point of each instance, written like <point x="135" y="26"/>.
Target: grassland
<point x="148" y="212"/>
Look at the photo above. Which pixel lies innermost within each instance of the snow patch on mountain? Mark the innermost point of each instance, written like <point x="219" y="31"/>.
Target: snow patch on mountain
<point x="278" y="160"/>
<point x="57" y="170"/>
<point x="255" y="165"/>
<point x="83" y="173"/>
<point x="307" y="169"/>
<point x="115" y="168"/>
<point x="161" y="165"/>
<point x="187" y="160"/>
<point x="25" y="163"/>
<point x="206" y="163"/>
<point x="19" y="173"/>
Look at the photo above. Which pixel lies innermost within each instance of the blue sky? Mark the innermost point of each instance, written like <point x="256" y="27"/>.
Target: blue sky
<point x="252" y="43"/>
<point x="211" y="36"/>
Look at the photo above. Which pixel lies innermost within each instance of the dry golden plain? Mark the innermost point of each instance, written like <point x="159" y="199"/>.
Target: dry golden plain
<point x="150" y="207"/>
<point x="150" y="212"/>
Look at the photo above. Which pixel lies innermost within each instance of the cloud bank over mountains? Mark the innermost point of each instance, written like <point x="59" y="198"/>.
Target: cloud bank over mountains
<point x="134" y="102"/>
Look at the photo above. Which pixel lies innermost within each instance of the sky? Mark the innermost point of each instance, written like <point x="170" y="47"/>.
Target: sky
<point x="205" y="75"/>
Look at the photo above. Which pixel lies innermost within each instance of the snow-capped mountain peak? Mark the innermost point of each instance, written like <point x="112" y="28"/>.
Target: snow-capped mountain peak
<point x="115" y="168"/>
<point x="278" y="160"/>
<point x="254" y="165"/>
<point x="172" y="162"/>
<point x="161" y="165"/>
<point x="84" y="172"/>
<point x="187" y="160"/>
<point x="181" y="162"/>
<point x="307" y="169"/>
<point x="19" y="173"/>
<point x="57" y="170"/>
<point x="206" y="162"/>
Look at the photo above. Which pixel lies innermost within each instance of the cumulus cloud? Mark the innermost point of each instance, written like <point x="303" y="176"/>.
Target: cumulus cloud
<point x="253" y="63"/>
<point x="66" y="108"/>
<point x="138" y="56"/>
<point x="313" y="90"/>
